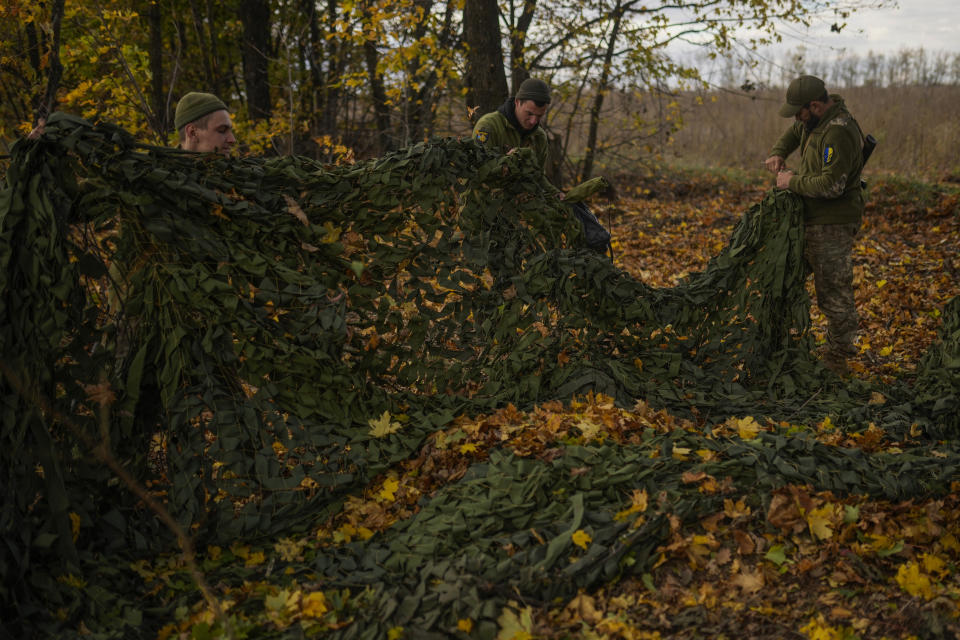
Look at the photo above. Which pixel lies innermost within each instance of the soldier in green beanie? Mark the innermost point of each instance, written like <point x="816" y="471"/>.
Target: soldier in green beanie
<point x="828" y="181"/>
<point x="517" y="122"/>
<point x="203" y="124"/>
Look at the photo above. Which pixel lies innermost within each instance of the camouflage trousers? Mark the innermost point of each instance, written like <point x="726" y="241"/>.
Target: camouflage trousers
<point x="828" y="255"/>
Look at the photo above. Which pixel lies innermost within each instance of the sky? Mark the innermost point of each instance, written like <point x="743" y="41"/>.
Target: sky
<point x="911" y="24"/>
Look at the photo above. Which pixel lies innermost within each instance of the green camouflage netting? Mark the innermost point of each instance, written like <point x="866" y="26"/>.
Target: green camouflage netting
<point x="233" y="304"/>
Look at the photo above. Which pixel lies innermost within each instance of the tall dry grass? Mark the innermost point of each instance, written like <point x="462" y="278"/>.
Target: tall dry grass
<point x="918" y="129"/>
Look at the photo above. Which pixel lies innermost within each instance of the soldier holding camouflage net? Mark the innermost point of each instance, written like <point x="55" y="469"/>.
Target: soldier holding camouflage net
<point x="828" y="181"/>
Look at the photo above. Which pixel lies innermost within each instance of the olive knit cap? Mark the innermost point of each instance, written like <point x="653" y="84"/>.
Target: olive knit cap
<point x="536" y="90"/>
<point x="195" y="105"/>
<point x="800" y="92"/>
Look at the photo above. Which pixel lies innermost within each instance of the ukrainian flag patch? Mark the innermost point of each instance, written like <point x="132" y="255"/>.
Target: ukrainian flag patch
<point x="828" y="154"/>
<point x="481" y="137"/>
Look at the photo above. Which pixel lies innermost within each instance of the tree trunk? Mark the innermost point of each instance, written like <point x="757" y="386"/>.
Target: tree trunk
<point x="602" y="85"/>
<point x="49" y="100"/>
<point x="204" y="46"/>
<point x="255" y="16"/>
<point x="158" y="105"/>
<point x="485" y="79"/>
<point x="518" y="40"/>
<point x="330" y="90"/>
<point x="380" y="108"/>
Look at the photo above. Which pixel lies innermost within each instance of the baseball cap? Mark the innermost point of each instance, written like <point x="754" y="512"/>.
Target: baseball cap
<point x="801" y="91"/>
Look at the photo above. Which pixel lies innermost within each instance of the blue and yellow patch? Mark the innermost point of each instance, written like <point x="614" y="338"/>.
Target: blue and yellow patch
<point x="481" y="137"/>
<point x="828" y="154"/>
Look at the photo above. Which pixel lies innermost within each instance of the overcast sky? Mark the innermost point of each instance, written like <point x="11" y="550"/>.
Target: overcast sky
<point x="931" y="24"/>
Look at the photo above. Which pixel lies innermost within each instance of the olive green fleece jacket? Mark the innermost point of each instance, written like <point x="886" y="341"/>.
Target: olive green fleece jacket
<point x="495" y="131"/>
<point x="831" y="159"/>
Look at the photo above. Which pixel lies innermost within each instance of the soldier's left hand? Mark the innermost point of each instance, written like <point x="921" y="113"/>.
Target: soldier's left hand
<point x="783" y="179"/>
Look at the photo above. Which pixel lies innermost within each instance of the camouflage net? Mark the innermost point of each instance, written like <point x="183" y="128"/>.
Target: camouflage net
<point x="273" y="325"/>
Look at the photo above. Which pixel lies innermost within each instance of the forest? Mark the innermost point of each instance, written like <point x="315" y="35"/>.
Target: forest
<point x="363" y="379"/>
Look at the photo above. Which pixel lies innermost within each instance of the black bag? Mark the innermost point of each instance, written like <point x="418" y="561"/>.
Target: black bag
<point x="594" y="235"/>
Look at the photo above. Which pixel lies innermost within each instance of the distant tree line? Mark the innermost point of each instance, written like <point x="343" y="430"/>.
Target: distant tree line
<point x="918" y="67"/>
<point x="341" y="78"/>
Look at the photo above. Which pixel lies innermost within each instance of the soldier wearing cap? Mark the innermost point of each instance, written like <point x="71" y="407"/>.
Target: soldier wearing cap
<point x="517" y="122"/>
<point x="828" y="180"/>
<point x="203" y="124"/>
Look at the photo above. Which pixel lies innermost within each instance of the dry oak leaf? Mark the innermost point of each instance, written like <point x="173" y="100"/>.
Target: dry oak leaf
<point x="584" y="607"/>
<point x="750" y="582"/>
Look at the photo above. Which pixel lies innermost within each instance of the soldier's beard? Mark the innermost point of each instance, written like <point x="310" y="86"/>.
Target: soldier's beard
<point x="811" y="123"/>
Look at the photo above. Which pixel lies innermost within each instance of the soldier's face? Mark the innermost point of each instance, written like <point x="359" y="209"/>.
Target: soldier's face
<point x="529" y="114"/>
<point x="809" y="115"/>
<point x="216" y="137"/>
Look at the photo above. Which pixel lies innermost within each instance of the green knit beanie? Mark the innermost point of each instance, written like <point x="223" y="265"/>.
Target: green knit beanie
<point x="195" y="105"/>
<point x="536" y="90"/>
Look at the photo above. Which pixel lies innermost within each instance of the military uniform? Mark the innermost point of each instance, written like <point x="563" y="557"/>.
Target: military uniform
<point x="828" y="181"/>
<point x="500" y="130"/>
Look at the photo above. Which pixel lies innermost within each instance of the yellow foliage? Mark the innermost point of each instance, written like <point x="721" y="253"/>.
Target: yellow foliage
<point x="382" y="427"/>
<point x="389" y="491"/>
<point x="820" y="521"/>
<point x="747" y="428"/>
<point x="912" y="580"/>
<point x="818" y="629"/>
<point x="465" y="625"/>
<point x="581" y="538"/>
<point x="74" y="525"/>
<point x="314" y="605"/>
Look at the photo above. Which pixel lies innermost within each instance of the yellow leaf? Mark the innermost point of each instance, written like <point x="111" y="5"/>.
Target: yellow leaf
<point x="314" y="605"/>
<point x="933" y="564"/>
<point x="881" y="283"/>
<point x="332" y="233"/>
<point x="468" y="447"/>
<point x="590" y="430"/>
<point x="382" y="427"/>
<point x="255" y="558"/>
<point x="914" y="581"/>
<point x="680" y="453"/>
<point x="886" y="351"/>
<point x="819" y="520"/>
<point x="950" y="543"/>
<point x="395" y="633"/>
<point x="74" y="525"/>
<point x="465" y="625"/>
<point x="747" y="428"/>
<point x="514" y="626"/>
<point x="389" y="491"/>
<point x="581" y="538"/>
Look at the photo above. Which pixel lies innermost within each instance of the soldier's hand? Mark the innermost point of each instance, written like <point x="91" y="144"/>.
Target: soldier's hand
<point x="774" y="164"/>
<point x="37" y="130"/>
<point x="783" y="179"/>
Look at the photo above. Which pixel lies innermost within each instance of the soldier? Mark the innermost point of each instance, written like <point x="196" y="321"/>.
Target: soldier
<point x="517" y="122"/>
<point x="203" y="124"/>
<point x="828" y="181"/>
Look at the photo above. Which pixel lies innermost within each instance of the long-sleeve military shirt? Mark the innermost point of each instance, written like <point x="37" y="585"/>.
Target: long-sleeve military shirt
<point x="831" y="159"/>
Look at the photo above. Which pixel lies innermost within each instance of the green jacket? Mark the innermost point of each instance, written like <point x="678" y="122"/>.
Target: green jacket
<point x="831" y="159"/>
<point x="495" y="130"/>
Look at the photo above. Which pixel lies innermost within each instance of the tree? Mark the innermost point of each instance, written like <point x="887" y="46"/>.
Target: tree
<point x="255" y="16"/>
<point x="484" y="79"/>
